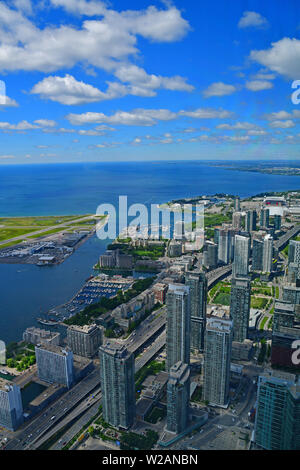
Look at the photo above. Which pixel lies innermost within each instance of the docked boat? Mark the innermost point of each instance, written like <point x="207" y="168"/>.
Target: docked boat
<point x="47" y="322"/>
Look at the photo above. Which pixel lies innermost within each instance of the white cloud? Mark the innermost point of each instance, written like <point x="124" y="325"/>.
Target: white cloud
<point x="81" y="7"/>
<point x="282" y="57"/>
<point x="45" y="122"/>
<point x="281" y="115"/>
<point x="69" y="91"/>
<point x="282" y="124"/>
<point x="258" y="85"/>
<point x="6" y="157"/>
<point x="264" y="75"/>
<point x="145" y="117"/>
<point x="252" y="19"/>
<point x="137" y="117"/>
<point x="6" y="102"/>
<point x="219" y="89"/>
<point x="104" y="43"/>
<point x="21" y="126"/>
<point x="207" y="113"/>
<point x="256" y="132"/>
<point x="143" y="84"/>
<point x="237" y="125"/>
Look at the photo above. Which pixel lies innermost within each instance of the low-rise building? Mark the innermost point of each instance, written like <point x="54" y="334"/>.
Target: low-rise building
<point x="39" y="336"/>
<point x="84" y="340"/>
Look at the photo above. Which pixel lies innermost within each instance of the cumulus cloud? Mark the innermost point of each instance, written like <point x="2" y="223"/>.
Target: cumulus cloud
<point x="69" y="91"/>
<point x="145" y="117"/>
<point x="143" y="84"/>
<point x="237" y="125"/>
<point x="282" y="57"/>
<point x="281" y="115"/>
<point x="81" y="7"/>
<point x="252" y="19"/>
<point x="282" y="124"/>
<point x="103" y="42"/>
<point x="6" y="102"/>
<point x="45" y="122"/>
<point x="219" y="89"/>
<point x="258" y="85"/>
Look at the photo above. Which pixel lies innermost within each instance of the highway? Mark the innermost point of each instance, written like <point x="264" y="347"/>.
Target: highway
<point x="279" y="244"/>
<point x="70" y="405"/>
<point x="28" y="434"/>
<point x="146" y="330"/>
<point x="89" y="408"/>
<point x="216" y="274"/>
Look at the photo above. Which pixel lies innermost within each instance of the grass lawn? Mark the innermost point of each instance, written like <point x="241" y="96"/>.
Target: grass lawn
<point x="222" y="298"/>
<point x="11" y="227"/>
<point x="263" y="322"/>
<point x="8" y="233"/>
<point x="259" y="302"/>
<point x="155" y="415"/>
<point x="37" y="221"/>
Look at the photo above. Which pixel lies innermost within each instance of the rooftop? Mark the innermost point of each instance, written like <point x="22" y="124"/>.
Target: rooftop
<point x="54" y="349"/>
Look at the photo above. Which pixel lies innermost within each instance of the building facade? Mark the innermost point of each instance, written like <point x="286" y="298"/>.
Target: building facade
<point x="178" y="397"/>
<point x="178" y="324"/>
<point x="117" y="385"/>
<point x="240" y="307"/>
<point x="197" y="283"/>
<point x="55" y="364"/>
<point x="217" y="357"/>
<point x="11" y="407"/>
<point x="84" y="340"/>
<point x="257" y="255"/>
<point x="240" y="265"/>
<point x="267" y="254"/>
<point x="277" y="423"/>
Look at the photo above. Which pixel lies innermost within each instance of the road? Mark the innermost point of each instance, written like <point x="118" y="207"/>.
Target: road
<point x="29" y="433"/>
<point x="285" y="238"/>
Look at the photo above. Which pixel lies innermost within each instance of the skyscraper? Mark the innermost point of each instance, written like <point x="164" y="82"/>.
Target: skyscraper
<point x="277" y="222"/>
<point x="217" y="355"/>
<point x="264" y="218"/>
<point x="117" y="385"/>
<point x="226" y="245"/>
<point x="240" y="265"/>
<point x="237" y="204"/>
<point x="250" y="221"/>
<point x="11" y="407"/>
<point x="84" y="340"/>
<point x="257" y="255"/>
<point x="197" y="283"/>
<point x="294" y="262"/>
<point x="236" y="220"/>
<point x="212" y="255"/>
<point x="240" y="307"/>
<point x="178" y="397"/>
<point x="294" y="252"/>
<point x="178" y="324"/>
<point x="284" y="314"/>
<point x="267" y="254"/>
<point x="55" y="364"/>
<point x="277" y="423"/>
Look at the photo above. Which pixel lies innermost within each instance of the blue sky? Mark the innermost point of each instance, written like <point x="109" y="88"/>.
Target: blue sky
<point x="90" y="80"/>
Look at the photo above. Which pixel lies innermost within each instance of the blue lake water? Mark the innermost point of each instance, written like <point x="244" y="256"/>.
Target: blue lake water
<point x="26" y="290"/>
